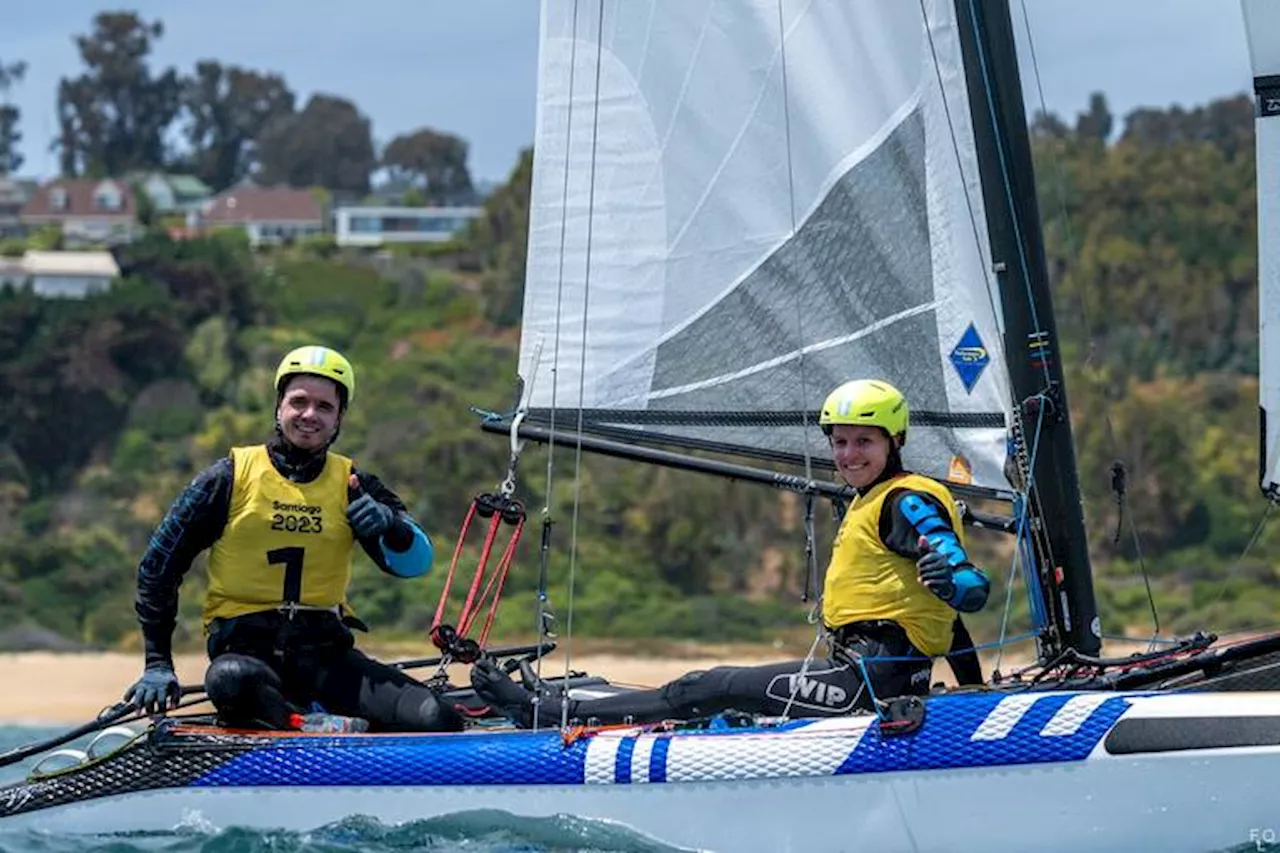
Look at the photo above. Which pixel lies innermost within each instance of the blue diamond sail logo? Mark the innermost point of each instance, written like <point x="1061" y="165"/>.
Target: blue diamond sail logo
<point x="970" y="358"/>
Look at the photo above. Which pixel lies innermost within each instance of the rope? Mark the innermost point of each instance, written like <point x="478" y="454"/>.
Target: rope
<point x="977" y="647"/>
<point x="545" y="549"/>
<point x="804" y="670"/>
<point x="453" y="642"/>
<point x="1253" y="539"/>
<point x="582" y="365"/>
<point x="1035" y="539"/>
<point x="806" y="414"/>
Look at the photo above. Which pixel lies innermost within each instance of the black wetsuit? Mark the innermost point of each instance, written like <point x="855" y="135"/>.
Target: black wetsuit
<point x="829" y="687"/>
<point x="963" y="658"/>
<point x="267" y="666"/>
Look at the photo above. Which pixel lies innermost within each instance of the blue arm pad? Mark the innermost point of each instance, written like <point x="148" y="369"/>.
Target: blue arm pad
<point x="972" y="589"/>
<point x="928" y="523"/>
<point x="972" y="586"/>
<point x="413" y="562"/>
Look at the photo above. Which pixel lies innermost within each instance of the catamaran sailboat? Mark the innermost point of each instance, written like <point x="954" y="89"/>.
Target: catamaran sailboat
<point x="736" y="207"/>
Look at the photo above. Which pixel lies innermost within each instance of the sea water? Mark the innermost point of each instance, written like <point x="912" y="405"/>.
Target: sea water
<point x="485" y="830"/>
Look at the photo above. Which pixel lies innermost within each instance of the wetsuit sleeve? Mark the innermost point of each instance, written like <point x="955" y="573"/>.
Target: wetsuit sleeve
<point x="405" y="550"/>
<point x="908" y="515"/>
<point x="193" y="523"/>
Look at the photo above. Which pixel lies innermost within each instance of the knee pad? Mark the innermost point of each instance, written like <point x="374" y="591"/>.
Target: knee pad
<point x="695" y="688"/>
<point x="233" y="680"/>
<point x="421" y="710"/>
<point x="440" y="716"/>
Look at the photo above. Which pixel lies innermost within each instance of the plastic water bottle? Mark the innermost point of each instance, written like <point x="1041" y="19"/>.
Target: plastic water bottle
<point x="328" y="723"/>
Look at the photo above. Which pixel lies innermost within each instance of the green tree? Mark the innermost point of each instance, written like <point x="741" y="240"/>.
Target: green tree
<point x="208" y="353"/>
<point x="433" y="162"/>
<point x="501" y="235"/>
<point x="1226" y="124"/>
<point x="113" y="117"/>
<point x="1047" y="124"/>
<point x="227" y="108"/>
<point x="1096" y="122"/>
<point x="10" y="158"/>
<point x="328" y="144"/>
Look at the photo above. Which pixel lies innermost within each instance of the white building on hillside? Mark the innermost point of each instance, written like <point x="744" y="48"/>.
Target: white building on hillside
<point x="71" y="275"/>
<point x="376" y="226"/>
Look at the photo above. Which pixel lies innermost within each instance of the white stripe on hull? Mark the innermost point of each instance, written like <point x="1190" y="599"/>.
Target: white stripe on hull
<point x="1169" y="802"/>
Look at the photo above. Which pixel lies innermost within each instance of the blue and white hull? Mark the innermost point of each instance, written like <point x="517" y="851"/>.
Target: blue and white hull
<point x="984" y="771"/>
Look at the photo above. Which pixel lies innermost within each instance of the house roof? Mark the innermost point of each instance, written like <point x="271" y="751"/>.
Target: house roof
<point x="70" y="263"/>
<point x="35" y="262"/>
<point x="261" y="204"/>
<point x="180" y="183"/>
<point x="80" y="192"/>
<point x="189" y="185"/>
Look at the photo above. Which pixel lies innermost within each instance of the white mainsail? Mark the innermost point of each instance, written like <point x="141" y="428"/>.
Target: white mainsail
<point x="738" y="206"/>
<point x="1262" y="26"/>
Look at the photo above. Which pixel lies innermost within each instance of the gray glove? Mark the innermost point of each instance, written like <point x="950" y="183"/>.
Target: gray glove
<point x="156" y="690"/>
<point x="369" y="518"/>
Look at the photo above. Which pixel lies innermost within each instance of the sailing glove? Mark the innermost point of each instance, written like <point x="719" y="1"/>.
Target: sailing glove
<point x="964" y="587"/>
<point x="936" y="573"/>
<point x="156" y="690"/>
<point x="369" y="518"/>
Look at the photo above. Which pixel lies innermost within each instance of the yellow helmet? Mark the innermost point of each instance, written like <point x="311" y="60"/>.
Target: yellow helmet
<point x="319" y="361"/>
<point x="869" y="402"/>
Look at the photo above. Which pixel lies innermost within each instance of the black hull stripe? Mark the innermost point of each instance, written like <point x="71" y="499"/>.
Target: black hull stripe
<point x="1176" y="734"/>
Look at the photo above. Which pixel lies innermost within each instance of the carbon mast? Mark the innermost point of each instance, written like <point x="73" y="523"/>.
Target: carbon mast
<point x="1031" y="338"/>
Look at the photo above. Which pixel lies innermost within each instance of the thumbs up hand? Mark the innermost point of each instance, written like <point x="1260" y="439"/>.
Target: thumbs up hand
<point x="935" y="572"/>
<point x="368" y="518"/>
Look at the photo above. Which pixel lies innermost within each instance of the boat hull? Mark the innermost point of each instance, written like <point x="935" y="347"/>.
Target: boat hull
<point x="1024" y="772"/>
<point x="1096" y="805"/>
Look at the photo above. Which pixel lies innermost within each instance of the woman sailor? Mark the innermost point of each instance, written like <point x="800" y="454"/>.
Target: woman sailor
<point x="899" y="573"/>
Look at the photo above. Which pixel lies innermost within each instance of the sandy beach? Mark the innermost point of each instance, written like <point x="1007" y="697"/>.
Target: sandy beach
<point x="69" y="688"/>
<point x="55" y="688"/>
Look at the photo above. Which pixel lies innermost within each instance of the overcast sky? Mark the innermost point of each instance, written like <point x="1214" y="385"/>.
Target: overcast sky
<point x="469" y="66"/>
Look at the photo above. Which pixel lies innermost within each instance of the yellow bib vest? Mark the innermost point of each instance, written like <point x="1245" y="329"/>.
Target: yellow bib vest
<point x="866" y="581"/>
<point x="284" y="542"/>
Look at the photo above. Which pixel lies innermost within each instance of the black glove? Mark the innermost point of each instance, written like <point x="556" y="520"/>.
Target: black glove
<point x="369" y="518"/>
<point x="936" y="573"/>
<point x="156" y="690"/>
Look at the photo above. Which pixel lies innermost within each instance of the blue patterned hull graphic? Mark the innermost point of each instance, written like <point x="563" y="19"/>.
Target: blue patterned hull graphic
<point x="622" y="763"/>
<point x="513" y="758"/>
<point x="947" y="740"/>
<point x="658" y="760"/>
<point x="979" y="730"/>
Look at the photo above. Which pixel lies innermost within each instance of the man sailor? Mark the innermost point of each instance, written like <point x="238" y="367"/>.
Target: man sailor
<point x="280" y="520"/>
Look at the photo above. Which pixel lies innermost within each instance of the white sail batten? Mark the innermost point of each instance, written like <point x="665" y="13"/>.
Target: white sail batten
<point x="1262" y="26"/>
<point x="738" y="206"/>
